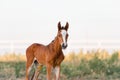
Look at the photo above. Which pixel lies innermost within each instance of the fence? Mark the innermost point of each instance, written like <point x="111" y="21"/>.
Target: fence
<point x="19" y="46"/>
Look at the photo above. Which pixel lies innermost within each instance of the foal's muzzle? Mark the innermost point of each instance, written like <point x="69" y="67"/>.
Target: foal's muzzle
<point x="64" y="46"/>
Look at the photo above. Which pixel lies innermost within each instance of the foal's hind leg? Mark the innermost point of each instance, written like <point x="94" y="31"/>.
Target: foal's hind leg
<point x="29" y="65"/>
<point x="37" y="72"/>
<point x="38" y="67"/>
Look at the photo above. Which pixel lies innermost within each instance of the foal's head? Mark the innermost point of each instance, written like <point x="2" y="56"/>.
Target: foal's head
<point x="63" y="35"/>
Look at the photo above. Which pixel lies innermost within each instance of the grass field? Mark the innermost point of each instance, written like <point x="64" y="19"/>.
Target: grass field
<point x="93" y="65"/>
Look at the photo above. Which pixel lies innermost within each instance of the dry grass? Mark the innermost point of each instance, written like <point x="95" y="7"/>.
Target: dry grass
<point x="76" y="66"/>
<point x="100" y="53"/>
<point x="12" y="57"/>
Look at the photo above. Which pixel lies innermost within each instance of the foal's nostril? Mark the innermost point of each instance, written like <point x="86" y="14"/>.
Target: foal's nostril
<point x="64" y="46"/>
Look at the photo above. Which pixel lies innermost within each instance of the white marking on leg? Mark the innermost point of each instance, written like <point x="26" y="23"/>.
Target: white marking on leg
<point x="57" y="72"/>
<point x="29" y="69"/>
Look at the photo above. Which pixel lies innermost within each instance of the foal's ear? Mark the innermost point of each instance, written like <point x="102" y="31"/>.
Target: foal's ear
<point x="66" y="26"/>
<point x="59" y="26"/>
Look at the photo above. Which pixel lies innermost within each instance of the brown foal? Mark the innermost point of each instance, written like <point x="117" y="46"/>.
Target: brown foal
<point x="50" y="55"/>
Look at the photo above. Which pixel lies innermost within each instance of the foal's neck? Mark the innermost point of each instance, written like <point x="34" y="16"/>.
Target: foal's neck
<point x="55" y="45"/>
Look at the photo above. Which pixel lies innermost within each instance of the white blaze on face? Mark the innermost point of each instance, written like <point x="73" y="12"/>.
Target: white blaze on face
<point x="64" y="32"/>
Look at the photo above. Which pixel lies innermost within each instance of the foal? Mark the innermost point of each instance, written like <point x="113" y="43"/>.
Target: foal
<point x="50" y="55"/>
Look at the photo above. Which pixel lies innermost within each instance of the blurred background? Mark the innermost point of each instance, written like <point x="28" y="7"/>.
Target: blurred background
<point x="93" y="36"/>
<point x="93" y="23"/>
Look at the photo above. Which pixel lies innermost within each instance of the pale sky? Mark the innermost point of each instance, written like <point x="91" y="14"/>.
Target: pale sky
<point x="38" y="19"/>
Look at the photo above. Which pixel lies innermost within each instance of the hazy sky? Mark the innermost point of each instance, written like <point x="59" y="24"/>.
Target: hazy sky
<point x="38" y="19"/>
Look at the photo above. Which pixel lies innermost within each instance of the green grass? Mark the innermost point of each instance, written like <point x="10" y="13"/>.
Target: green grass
<point x="12" y="70"/>
<point x="76" y="69"/>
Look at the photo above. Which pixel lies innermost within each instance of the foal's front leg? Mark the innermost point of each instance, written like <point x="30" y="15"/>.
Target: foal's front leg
<point x="49" y="68"/>
<point x="57" y="72"/>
